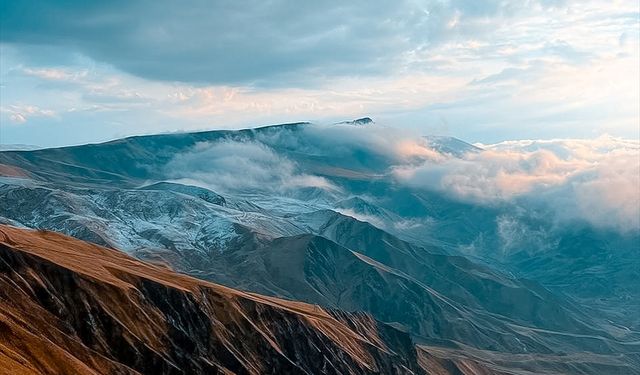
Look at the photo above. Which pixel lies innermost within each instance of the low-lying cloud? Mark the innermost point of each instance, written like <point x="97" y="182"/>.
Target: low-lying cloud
<point x="373" y="142"/>
<point x="593" y="180"/>
<point x="231" y="165"/>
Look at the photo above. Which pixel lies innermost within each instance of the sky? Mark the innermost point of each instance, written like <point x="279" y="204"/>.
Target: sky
<point x="74" y="72"/>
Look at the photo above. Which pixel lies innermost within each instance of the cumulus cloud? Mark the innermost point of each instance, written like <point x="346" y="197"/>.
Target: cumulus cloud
<point x="597" y="181"/>
<point x="492" y="175"/>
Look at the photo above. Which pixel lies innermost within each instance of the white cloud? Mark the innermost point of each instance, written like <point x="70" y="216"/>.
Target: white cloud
<point x="373" y="220"/>
<point x="382" y="144"/>
<point x="56" y="74"/>
<point x="593" y="180"/>
<point x="241" y="166"/>
<point x="21" y="113"/>
<point x="482" y="71"/>
<point x="516" y="236"/>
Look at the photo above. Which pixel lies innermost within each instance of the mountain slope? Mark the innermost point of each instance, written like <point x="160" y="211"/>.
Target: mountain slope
<point x="72" y="307"/>
<point x="128" y="162"/>
<point x="439" y="297"/>
<point x="461" y="280"/>
<point x="68" y="306"/>
<point x="315" y="269"/>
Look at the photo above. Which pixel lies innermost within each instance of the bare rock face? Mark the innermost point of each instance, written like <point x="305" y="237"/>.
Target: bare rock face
<point x="72" y="307"/>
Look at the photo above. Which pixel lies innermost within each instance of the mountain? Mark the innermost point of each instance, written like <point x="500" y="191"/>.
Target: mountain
<point x="294" y="211"/>
<point x="254" y="249"/>
<point x="17" y="147"/>
<point x="450" y="145"/>
<point x="194" y="191"/>
<point x="71" y="307"/>
<point x="360" y="122"/>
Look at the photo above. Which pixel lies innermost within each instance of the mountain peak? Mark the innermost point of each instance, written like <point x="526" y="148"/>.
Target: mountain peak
<point x="360" y="121"/>
<point x="450" y="145"/>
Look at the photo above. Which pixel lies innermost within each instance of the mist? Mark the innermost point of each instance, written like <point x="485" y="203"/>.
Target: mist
<point x="594" y="181"/>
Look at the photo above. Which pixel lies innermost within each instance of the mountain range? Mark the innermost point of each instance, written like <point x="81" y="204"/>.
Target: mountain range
<point x="309" y="228"/>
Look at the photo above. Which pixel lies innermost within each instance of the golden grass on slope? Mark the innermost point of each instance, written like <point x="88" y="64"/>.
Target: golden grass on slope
<point x="33" y="340"/>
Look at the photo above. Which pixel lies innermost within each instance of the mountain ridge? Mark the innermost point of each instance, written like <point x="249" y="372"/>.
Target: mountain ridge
<point x="29" y="258"/>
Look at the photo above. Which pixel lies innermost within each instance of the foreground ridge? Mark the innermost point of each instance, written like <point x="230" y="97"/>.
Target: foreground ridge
<point x="68" y="306"/>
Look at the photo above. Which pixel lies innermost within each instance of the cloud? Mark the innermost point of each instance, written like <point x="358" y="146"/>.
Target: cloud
<point x="20" y="114"/>
<point x="597" y="181"/>
<point x="593" y="181"/>
<point x="375" y="146"/>
<point x="515" y="235"/>
<point x="267" y="161"/>
<point x="241" y="166"/>
<point x="295" y="161"/>
<point x="55" y="74"/>
<point x="253" y="41"/>
<point x="480" y="70"/>
<point x="371" y="219"/>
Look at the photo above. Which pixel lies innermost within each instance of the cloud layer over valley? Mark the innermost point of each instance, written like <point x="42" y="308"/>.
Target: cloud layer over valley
<point x="241" y="166"/>
<point x="594" y="181"/>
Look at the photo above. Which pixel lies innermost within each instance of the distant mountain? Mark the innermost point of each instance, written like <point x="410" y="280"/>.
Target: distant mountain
<point x="450" y="145"/>
<point x="361" y="121"/>
<point x="17" y="147"/>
